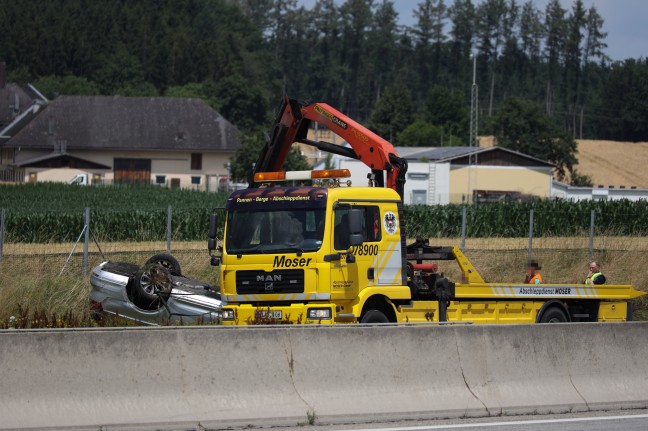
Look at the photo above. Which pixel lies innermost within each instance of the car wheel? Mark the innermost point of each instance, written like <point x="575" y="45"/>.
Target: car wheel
<point x="374" y="316"/>
<point x="167" y="261"/>
<point x="151" y="286"/>
<point x="554" y="315"/>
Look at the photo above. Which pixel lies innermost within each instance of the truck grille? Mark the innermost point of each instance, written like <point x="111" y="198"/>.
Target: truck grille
<point x="279" y="281"/>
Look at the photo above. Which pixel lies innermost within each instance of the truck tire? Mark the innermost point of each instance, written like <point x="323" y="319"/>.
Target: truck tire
<point x="374" y="316"/>
<point x="167" y="261"/>
<point x="151" y="286"/>
<point x="554" y="315"/>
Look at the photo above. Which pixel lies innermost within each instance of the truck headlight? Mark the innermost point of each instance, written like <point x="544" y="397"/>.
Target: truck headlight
<point x="227" y="314"/>
<point x="319" y="313"/>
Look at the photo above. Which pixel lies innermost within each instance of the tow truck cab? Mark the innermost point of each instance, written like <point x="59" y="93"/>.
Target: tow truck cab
<point x="310" y="254"/>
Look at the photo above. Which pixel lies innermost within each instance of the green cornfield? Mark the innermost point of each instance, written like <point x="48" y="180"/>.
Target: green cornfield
<point x="550" y="218"/>
<point x="51" y="212"/>
<point x="48" y="212"/>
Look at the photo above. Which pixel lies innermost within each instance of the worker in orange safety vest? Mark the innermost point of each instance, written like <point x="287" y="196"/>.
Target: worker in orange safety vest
<point x="532" y="275"/>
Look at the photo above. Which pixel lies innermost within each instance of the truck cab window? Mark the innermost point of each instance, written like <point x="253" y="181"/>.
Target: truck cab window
<point x="371" y="231"/>
<point x="262" y="232"/>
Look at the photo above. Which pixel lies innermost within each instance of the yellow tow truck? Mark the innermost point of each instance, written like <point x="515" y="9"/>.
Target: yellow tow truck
<point x="325" y="251"/>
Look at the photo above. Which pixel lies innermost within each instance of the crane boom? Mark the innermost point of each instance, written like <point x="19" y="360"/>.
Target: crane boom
<point x="292" y="124"/>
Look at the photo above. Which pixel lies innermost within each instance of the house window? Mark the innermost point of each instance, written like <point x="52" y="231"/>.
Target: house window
<point x="160" y="179"/>
<point x="419" y="197"/>
<point x="196" y="162"/>
<point x="195" y="181"/>
<point x="418" y="176"/>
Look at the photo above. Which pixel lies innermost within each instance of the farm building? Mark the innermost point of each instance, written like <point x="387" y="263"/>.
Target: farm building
<point x="440" y="175"/>
<point x="179" y="142"/>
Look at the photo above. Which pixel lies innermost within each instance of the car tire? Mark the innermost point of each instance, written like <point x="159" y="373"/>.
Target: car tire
<point x="151" y="286"/>
<point x="554" y="315"/>
<point x="374" y="316"/>
<point x="167" y="261"/>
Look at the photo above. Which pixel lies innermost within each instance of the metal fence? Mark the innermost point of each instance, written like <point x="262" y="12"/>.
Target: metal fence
<point x="47" y="265"/>
<point x="101" y="233"/>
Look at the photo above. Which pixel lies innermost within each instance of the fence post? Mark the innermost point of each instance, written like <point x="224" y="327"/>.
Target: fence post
<point x="2" y="228"/>
<point x="530" y="234"/>
<point x="591" y="242"/>
<point x="463" y="229"/>
<point x="86" y="240"/>
<point x="169" y="229"/>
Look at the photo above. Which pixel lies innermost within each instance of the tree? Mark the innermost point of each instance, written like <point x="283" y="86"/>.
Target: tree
<point x="242" y="103"/>
<point x="556" y="29"/>
<point x="204" y="91"/>
<point x="575" y="25"/>
<point x="446" y="109"/>
<point x="522" y="126"/>
<point x="490" y="25"/>
<point x="356" y="20"/>
<point x="594" y="38"/>
<point x="580" y="180"/>
<point x="431" y="16"/>
<point x="241" y="164"/>
<point x="51" y="86"/>
<point x="121" y="69"/>
<point x="142" y="89"/>
<point x="531" y="31"/>
<point x="392" y="113"/>
<point x="463" y="15"/>
<point x="381" y="44"/>
<point x="624" y="102"/>
<point x="420" y="134"/>
<point x="324" y="70"/>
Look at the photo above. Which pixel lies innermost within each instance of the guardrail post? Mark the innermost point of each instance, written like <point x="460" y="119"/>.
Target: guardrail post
<point x="463" y="229"/>
<point x="530" y="234"/>
<point x="168" y="230"/>
<point x="86" y="240"/>
<point x="591" y="238"/>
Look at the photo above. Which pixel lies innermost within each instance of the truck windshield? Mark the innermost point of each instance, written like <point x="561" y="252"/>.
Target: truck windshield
<point x="275" y="231"/>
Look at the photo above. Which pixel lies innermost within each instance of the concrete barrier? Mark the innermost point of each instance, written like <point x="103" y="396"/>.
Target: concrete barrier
<point x="222" y="375"/>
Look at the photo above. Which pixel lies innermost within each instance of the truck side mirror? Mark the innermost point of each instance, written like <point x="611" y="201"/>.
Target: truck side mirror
<point x="211" y="239"/>
<point x="355" y="227"/>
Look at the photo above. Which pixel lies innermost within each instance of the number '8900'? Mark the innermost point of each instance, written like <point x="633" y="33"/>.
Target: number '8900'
<point x="365" y="250"/>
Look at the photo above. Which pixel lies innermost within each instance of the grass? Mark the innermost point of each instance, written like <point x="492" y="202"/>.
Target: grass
<point x="29" y="281"/>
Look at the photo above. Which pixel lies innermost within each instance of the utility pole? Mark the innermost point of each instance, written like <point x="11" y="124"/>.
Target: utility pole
<point x="473" y="144"/>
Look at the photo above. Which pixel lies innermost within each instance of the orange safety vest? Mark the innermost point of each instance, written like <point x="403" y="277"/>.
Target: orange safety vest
<point x="536" y="279"/>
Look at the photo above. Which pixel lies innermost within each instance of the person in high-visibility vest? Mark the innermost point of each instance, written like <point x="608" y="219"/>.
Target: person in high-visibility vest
<point x="595" y="276"/>
<point x="532" y="275"/>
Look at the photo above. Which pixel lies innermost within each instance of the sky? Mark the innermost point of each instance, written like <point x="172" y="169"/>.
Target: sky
<point x="624" y="21"/>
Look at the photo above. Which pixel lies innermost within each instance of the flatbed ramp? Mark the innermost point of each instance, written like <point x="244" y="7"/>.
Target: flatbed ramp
<point x="276" y="375"/>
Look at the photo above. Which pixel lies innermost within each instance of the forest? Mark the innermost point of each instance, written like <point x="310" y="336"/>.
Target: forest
<point x="543" y="76"/>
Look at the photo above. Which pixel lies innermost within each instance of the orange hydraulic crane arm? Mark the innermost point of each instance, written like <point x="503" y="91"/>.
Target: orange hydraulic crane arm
<point x="292" y="123"/>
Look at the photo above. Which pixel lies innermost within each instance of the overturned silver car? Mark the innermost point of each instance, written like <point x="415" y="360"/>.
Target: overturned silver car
<point x="155" y="293"/>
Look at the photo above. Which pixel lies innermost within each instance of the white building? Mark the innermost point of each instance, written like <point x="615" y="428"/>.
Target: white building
<point x="442" y="175"/>
<point x="575" y="193"/>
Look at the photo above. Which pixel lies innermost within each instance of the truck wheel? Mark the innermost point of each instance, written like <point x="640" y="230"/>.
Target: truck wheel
<point x="374" y="316"/>
<point x="151" y="285"/>
<point x="554" y="315"/>
<point x="167" y="261"/>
